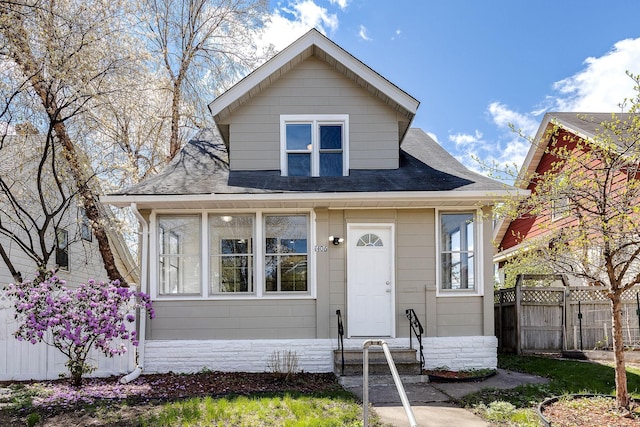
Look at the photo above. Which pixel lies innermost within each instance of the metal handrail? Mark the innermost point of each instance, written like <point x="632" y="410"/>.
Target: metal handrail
<point x="340" y="340"/>
<point x="416" y="327"/>
<point x="394" y="374"/>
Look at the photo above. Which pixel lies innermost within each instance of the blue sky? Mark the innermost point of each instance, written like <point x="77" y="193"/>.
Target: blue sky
<point x="476" y="66"/>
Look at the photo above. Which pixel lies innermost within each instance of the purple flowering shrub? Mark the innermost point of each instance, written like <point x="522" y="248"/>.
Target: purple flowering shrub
<point x="75" y="320"/>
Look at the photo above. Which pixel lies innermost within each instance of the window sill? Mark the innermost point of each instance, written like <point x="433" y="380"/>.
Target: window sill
<point x="457" y="293"/>
<point x="234" y="297"/>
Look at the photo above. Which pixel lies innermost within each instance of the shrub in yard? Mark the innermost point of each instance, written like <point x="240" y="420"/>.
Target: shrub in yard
<point x="74" y="321"/>
<point x="284" y="365"/>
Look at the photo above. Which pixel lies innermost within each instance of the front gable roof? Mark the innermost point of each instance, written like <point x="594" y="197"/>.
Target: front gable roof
<point x="313" y="43"/>
<point x="583" y="125"/>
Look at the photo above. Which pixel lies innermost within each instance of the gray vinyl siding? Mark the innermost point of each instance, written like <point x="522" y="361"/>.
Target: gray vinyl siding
<point x="415" y="275"/>
<point x="415" y="264"/>
<point x="415" y="287"/>
<point x="337" y="271"/>
<point x="459" y="316"/>
<point x="313" y="87"/>
<point x="250" y="319"/>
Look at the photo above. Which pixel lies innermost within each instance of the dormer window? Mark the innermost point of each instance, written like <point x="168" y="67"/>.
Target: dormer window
<point x="314" y="145"/>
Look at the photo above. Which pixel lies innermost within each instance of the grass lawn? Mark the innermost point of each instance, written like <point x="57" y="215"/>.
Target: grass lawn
<point x="338" y="409"/>
<point x="321" y="403"/>
<point x="330" y="408"/>
<point x="517" y="406"/>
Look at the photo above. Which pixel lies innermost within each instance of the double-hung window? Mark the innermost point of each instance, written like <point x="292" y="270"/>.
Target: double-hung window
<point x="85" y="226"/>
<point x="231" y="253"/>
<point x="62" y="249"/>
<point x="286" y="253"/>
<point x="314" y="145"/>
<point x="179" y="254"/>
<point x="457" y="252"/>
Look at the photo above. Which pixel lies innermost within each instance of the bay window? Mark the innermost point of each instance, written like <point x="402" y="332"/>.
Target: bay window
<point x="239" y="254"/>
<point x="457" y="260"/>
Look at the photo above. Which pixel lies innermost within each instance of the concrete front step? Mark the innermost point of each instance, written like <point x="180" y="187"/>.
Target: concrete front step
<point x="381" y="380"/>
<point x="376" y="354"/>
<point x="404" y="360"/>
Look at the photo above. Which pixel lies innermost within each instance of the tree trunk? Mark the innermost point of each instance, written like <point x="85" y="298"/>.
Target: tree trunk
<point x="90" y="204"/>
<point x="21" y="53"/>
<point x="622" y="393"/>
<point x="174" y="139"/>
<point x="17" y="276"/>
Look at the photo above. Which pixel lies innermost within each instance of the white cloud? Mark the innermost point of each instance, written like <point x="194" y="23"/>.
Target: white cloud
<point x="289" y="22"/>
<point x="503" y="117"/>
<point x="603" y="84"/>
<point x="600" y="86"/>
<point x="341" y="3"/>
<point x="363" y="33"/>
<point x="464" y="139"/>
<point x="505" y="153"/>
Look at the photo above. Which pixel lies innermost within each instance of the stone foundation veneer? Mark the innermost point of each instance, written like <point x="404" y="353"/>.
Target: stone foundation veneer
<point x="461" y="353"/>
<point x="187" y="356"/>
<point x="314" y="355"/>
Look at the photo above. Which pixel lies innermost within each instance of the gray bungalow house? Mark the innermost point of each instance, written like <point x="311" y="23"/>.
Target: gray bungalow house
<point x="314" y="195"/>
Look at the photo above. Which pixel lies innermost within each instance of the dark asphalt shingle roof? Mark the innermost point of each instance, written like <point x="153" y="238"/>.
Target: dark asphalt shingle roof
<point x="202" y="167"/>
<point x="590" y="124"/>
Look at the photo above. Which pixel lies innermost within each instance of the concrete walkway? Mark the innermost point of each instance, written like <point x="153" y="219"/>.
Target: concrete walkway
<point x="433" y="404"/>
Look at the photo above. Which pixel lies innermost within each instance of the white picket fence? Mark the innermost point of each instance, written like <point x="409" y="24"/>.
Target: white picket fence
<point x="25" y="361"/>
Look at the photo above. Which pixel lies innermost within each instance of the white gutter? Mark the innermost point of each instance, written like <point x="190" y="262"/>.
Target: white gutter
<point x="144" y="288"/>
<point x="391" y="196"/>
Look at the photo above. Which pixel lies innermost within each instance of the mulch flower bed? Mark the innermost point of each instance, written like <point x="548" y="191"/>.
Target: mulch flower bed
<point x="443" y="375"/>
<point x="61" y="403"/>
<point x="572" y="411"/>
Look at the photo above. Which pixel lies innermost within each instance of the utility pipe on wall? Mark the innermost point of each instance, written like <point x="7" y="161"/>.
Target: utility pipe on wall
<point x="144" y="261"/>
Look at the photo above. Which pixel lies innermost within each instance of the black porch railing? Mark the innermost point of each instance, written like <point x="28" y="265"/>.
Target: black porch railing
<point x="415" y="328"/>
<point x="340" y="340"/>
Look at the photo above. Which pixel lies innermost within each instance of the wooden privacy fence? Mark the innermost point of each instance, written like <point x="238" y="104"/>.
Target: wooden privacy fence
<point x="559" y="318"/>
<point x="25" y="361"/>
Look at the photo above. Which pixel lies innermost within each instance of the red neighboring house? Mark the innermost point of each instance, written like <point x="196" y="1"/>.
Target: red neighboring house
<point x="563" y="129"/>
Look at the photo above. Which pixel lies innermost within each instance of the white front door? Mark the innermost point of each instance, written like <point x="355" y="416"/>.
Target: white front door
<point x="370" y="280"/>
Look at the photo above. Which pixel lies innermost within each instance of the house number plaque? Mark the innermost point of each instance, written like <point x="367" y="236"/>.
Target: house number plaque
<point x="322" y="248"/>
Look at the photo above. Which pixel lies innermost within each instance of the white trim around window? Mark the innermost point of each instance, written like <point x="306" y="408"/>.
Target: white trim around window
<point x="206" y="286"/>
<point x="477" y="272"/>
<point x="312" y="158"/>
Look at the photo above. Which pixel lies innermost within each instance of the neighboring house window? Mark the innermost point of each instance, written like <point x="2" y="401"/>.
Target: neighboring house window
<point x="231" y="253"/>
<point x="457" y="236"/>
<point x="314" y="145"/>
<point x="560" y="203"/>
<point x="62" y="249"/>
<point x="286" y="253"/>
<point x="85" y="226"/>
<point x="179" y="254"/>
<point x="559" y="208"/>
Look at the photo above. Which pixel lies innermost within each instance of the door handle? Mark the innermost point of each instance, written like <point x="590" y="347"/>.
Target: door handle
<point x="388" y="283"/>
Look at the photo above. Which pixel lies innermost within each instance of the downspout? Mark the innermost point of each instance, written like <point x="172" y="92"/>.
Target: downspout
<point x="143" y="287"/>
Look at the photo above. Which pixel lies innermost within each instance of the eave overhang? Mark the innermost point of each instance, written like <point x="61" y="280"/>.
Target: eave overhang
<point x="415" y="199"/>
<point x="313" y="43"/>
